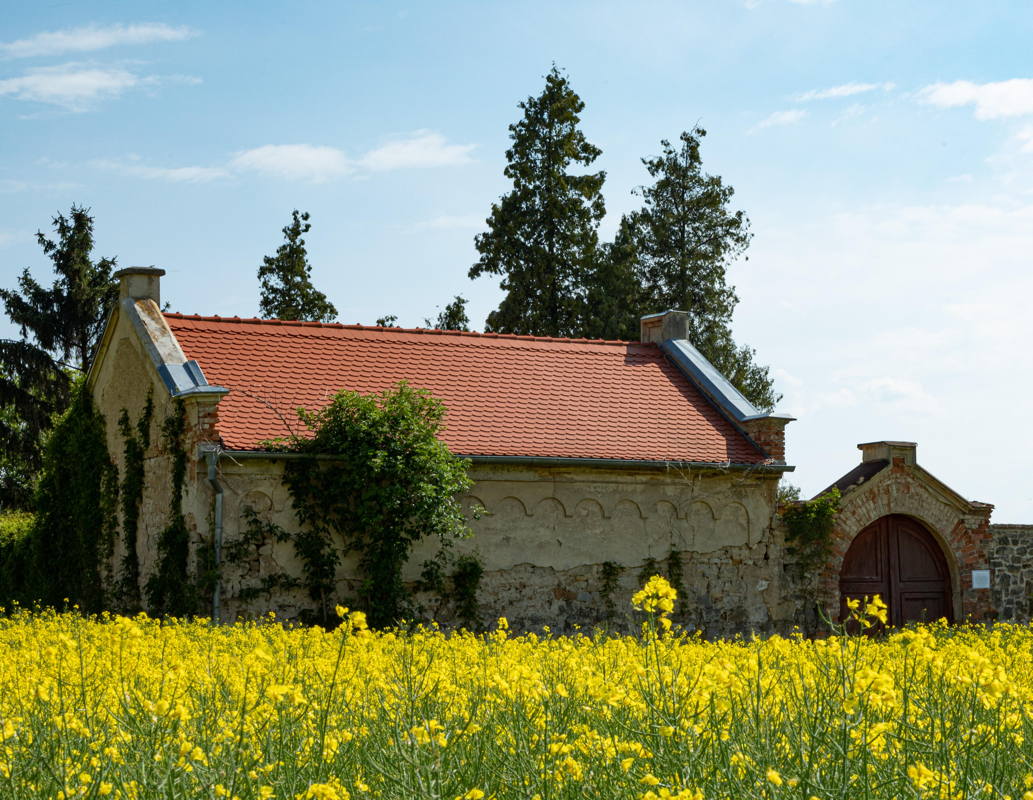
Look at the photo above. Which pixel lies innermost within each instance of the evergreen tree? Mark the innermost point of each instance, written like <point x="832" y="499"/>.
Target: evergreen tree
<point x="614" y="296"/>
<point x="686" y="235"/>
<point x="287" y="290"/>
<point x="60" y="326"/>
<point x="452" y="318"/>
<point x="542" y="236"/>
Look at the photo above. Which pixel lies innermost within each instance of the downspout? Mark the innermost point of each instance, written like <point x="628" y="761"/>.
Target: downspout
<point x="212" y="457"/>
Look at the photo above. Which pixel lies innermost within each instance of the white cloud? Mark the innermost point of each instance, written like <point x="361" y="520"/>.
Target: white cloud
<point x="6" y="237"/>
<point x="304" y="162"/>
<point x="843" y="90"/>
<point x="1011" y="98"/>
<point x="420" y="149"/>
<point x="78" y="86"/>
<point x="72" y="86"/>
<point x="93" y="37"/>
<point x="781" y="118"/>
<point x="134" y="169"/>
<point x="1025" y="139"/>
<point x="317" y="163"/>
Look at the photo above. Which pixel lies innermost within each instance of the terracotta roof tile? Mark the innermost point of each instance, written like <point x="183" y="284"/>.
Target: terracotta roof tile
<point x="505" y="395"/>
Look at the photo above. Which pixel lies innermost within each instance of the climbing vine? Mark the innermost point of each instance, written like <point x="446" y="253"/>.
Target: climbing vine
<point x="609" y="574"/>
<point x="136" y="439"/>
<point x="169" y="590"/>
<point x="378" y="477"/>
<point x="809" y="525"/>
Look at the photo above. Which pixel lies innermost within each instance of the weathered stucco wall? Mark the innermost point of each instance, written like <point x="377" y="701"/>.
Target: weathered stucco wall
<point x="124" y="378"/>
<point x="544" y="535"/>
<point x="1011" y="565"/>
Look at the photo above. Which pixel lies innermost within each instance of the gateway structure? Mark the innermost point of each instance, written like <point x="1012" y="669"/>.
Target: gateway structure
<point x="593" y="461"/>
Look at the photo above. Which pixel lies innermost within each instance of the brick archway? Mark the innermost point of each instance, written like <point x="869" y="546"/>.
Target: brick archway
<point x="959" y="527"/>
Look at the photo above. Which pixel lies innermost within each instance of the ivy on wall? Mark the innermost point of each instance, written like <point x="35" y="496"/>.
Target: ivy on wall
<point x="809" y="525"/>
<point x="169" y="588"/>
<point x="135" y="441"/>
<point x="378" y="476"/>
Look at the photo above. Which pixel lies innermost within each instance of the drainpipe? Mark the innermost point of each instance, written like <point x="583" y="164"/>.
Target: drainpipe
<point x="212" y="457"/>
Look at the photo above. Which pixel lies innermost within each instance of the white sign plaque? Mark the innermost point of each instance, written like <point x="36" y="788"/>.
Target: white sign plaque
<point x="980" y="579"/>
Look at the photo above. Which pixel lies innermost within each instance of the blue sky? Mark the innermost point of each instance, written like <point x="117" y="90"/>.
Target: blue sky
<point x="882" y="150"/>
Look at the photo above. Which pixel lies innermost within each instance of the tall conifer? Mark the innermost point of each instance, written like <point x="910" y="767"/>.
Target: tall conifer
<point x="686" y="235"/>
<point x="542" y="236"/>
<point x="287" y="290"/>
<point x="60" y="326"/>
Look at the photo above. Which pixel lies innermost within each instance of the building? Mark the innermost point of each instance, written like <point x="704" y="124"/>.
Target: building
<point x="593" y="462"/>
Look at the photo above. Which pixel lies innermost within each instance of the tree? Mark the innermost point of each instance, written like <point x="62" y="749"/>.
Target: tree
<point x="686" y="235"/>
<point x="393" y="483"/>
<point x="60" y="328"/>
<point x="287" y="290"/>
<point x="542" y="237"/>
<point x="452" y="318"/>
<point x="613" y="296"/>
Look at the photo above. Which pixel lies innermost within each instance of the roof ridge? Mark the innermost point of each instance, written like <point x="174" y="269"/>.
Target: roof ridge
<point x="390" y="330"/>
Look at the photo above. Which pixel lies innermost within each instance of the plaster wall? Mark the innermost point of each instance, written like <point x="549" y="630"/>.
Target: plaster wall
<point x="543" y="535"/>
<point x="124" y="377"/>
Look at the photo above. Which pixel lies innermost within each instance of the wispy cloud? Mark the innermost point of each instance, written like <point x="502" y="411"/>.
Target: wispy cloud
<point x="6" y="237"/>
<point x="77" y="86"/>
<point x="843" y="90"/>
<point x="305" y="162"/>
<point x="781" y="118"/>
<point x="1025" y="139"/>
<point x="1011" y="98"/>
<point x="90" y="38"/>
<point x="318" y="163"/>
<point x="134" y="168"/>
<point x="422" y="148"/>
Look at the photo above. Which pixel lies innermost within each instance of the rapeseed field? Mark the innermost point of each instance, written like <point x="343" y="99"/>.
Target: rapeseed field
<point x="139" y="708"/>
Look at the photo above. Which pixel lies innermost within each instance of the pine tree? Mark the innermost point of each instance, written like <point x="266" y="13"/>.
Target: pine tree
<point x="60" y="326"/>
<point x="287" y="290"/>
<point x="686" y="235"/>
<point x="542" y="236"/>
<point x="452" y="318"/>
<point x="614" y="295"/>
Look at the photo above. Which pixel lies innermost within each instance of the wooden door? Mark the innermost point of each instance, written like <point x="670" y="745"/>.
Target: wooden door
<point x="900" y="560"/>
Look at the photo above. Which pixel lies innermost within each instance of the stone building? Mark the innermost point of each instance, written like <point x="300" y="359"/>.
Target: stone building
<point x="593" y="462"/>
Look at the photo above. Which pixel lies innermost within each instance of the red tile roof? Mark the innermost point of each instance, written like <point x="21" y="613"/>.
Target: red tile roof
<point x="505" y="395"/>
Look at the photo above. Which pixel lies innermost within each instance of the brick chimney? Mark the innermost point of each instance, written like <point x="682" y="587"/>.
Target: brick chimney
<point x="140" y="283"/>
<point x="896" y="453"/>
<point x="658" y="328"/>
<point x="670" y="330"/>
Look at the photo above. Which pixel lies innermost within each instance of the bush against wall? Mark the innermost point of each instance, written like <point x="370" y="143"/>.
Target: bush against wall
<point x="76" y="520"/>
<point x="15" y="554"/>
<point x="378" y="476"/>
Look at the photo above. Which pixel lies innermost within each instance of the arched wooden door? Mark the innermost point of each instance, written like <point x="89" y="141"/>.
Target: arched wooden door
<point x="899" y="559"/>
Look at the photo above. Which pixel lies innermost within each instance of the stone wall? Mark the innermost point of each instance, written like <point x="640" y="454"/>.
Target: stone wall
<point x="1011" y="565"/>
<point x="543" y="536"/>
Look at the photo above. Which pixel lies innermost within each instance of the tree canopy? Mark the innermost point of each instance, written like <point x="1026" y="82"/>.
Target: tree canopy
<point x="287" y="290"/>
<point x="685" y="236"/>
<point x="60" y="327"/>
<point x="542" y="236"/>
<point x="452" y="317"/>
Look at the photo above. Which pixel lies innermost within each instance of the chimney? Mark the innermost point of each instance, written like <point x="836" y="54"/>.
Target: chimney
<point x="140" y="283"/>
<point x="658" y="328"/>
<point x="896" y="453"/>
